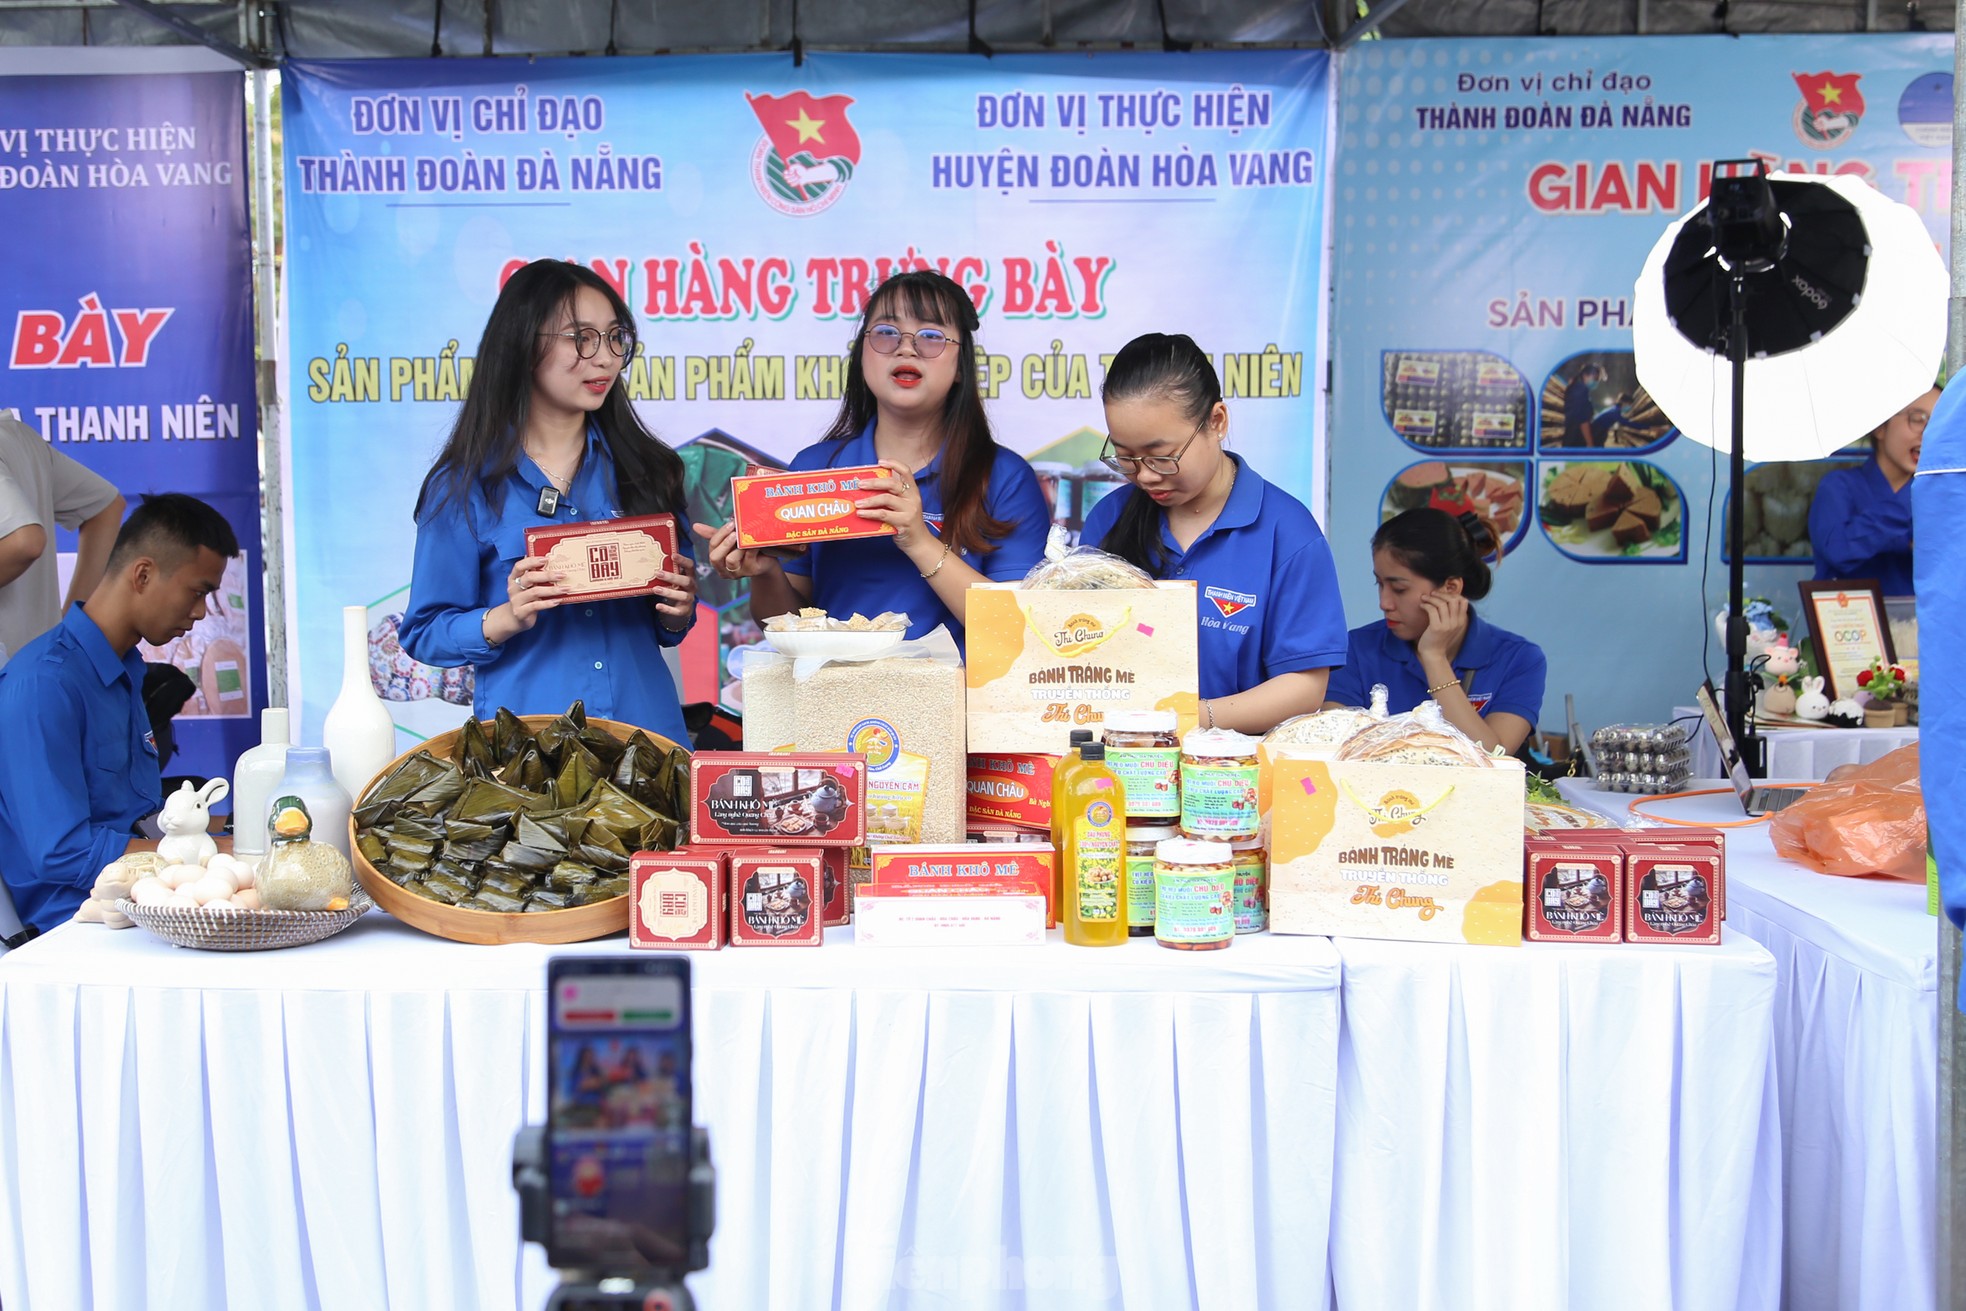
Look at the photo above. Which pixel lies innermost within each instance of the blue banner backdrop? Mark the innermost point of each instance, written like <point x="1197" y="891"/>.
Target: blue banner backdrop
<point x="128" y="300"/>
<point x="1494" y="203"/>
<point x="744" y="207"/>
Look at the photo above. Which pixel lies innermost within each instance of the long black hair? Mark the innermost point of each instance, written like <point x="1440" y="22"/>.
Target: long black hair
<point x="485" y="442"/>
<point x="1437" y="546"/>
<point x="969" y="452"/>
<point x="1161" y="367"/>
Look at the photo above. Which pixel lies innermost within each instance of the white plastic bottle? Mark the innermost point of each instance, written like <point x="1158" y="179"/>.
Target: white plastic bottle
<point x="253" y="779"/>
<point x="359" y="733"/>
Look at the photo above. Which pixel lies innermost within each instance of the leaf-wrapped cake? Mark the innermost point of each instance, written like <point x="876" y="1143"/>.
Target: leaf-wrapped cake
<point x="515" y="817"/>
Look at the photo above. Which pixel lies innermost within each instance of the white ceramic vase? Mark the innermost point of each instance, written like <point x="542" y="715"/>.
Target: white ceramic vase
<point x="253" y="779"/>
<point x="359" y="733"/>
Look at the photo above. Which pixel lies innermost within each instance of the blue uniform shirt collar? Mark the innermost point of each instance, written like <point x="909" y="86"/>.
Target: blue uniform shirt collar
<point x="88" y="637"/>
<point x="861" y="450"/>
<point x="1244" y="505"/>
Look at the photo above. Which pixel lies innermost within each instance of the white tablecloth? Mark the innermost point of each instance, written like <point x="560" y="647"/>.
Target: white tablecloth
<point x="331" y="1126"/>
<point x="1804" y="754"/>
<point x="1856" y="1043"/>
<point x="1556" y="1126"/>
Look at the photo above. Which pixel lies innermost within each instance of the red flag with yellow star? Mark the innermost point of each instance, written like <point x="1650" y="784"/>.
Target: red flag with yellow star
<point x="1834" y="93"/>
<point x="815" y="125"/>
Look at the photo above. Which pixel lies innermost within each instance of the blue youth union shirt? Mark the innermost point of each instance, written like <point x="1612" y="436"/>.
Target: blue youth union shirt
<point x="1509" y="671"/>
<point x="1265" y="587"/>
<point x="1860" y="528"/>
<point x="867" y="575"/>
<point x="602" y="652"/>
<point x="80" y="766"/>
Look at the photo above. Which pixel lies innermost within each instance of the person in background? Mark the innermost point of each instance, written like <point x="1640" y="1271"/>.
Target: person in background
<point x="1487" y="681"/>
<point x="1271" y="624"/>
<point x="1860" y="521"/>
<point x="80" y="769"/>
<point x="42" y="489"/>
<point x="1578" y="407"/>
<point x="964" y="509"/>
<point x="548" y="436"/>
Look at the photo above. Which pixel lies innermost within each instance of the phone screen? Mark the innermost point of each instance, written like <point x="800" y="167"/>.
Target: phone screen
<point x="618" y="1128"/>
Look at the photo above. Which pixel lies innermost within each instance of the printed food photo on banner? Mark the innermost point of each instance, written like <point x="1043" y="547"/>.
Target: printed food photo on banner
<point x="1493" y="492"/>
<point x="1612" y="513"/>
<point x="1456" y="398"/>
<point x="1596" y="400"/>
<point x="1775" y="510"/>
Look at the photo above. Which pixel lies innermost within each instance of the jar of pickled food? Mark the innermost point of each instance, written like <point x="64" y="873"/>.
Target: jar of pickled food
<point x="1141" y="841"/>
<point x="1252" y="885"/>
<point x="1218" y="786"/>
<point x="1194" y="888"/>
<point x="1143" y="750"/>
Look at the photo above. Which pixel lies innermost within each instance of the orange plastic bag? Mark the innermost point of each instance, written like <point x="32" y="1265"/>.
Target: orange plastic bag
<point x="1868" y="819"/>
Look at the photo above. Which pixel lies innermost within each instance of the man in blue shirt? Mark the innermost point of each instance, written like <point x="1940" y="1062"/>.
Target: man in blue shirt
<point x="1860" y="521"/>
<point x="80" y="766"/>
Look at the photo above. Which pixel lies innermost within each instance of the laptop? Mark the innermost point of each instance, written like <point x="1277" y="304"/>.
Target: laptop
<point x="1754" y="800"/>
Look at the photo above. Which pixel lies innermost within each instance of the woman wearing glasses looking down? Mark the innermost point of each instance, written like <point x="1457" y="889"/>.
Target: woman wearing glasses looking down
<point x="548" y="436"/>
<point x="965" y="510"/>
<point x="1271" y="622"/>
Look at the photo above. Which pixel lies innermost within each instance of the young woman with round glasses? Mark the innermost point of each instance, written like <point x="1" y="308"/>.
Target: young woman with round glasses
<point x="547" y="436"/>
<point x="1272" y="625"/>
<point x="964" y="509"/>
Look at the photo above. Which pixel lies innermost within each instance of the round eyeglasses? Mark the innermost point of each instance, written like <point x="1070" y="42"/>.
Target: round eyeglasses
<point x="587" y="341"/>
<point x="885" y="338"/>
<point x="1129" y="466"/>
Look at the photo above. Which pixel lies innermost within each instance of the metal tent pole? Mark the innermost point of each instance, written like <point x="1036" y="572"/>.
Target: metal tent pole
<point x="1952" y="1034"/>
<point x="266" y="306"/>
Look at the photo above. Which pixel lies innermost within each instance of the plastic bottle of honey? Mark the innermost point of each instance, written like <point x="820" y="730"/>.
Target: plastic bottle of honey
<point x="1060" y="775"/>
<point x="1094" y="854"/>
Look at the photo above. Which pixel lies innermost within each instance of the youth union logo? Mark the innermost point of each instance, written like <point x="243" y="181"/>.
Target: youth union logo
<point x="1830" y="110"/>
<point x="807" y="154"/>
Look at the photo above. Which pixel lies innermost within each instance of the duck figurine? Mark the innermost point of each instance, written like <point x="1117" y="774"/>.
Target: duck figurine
<point x="299" y="873"/>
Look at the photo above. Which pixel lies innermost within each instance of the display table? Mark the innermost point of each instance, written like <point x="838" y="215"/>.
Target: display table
<point x="331" y="1126"/>
<point x="1856" y="1043"/>
<point x="1806" y="754"/>
<point x="1557" y="1125"/>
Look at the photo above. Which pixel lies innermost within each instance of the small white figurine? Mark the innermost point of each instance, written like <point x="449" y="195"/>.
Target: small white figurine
<point x="1812" y="704"/>
<point x="1781" y="667"/>
<point x="185" y="819"/>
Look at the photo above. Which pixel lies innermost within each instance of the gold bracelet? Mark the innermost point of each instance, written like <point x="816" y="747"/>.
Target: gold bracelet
<point x="1442" y="687"/>
<point x="946" y="548"/>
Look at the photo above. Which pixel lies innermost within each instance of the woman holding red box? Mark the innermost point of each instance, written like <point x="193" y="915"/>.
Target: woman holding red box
<point x="964" y="509"/>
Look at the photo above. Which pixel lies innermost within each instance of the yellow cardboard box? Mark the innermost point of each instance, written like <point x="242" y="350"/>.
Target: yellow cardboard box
<point x="1430" y="853"/>
<point x="1042" y="663"/>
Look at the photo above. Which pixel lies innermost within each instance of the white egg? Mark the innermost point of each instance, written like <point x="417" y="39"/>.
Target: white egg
<point x="207" y="889"/>
<point x="176" y="876"/>
<point x="246" y="899"/>
<point x="150" y="892"/>
<point x="179" y="901"/>
<point x="222" y="874"/>
<point x="221" y="903"/>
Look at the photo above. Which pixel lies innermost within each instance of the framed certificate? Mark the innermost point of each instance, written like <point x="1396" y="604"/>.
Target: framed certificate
<point x="1847" y="624"/>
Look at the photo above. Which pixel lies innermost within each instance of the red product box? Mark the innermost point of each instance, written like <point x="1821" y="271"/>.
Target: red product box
<point x="1010" y="789"/>
<point x="1021" y="862"/>
<point x="676" y="900"/>
<point x="838" y="885"/>
<point x="775" y="798"/>
<point x="1672" y="894"/>
<point x="601" y="559"/>
<point x="1634" y="839"/>
<point x="777" y="898"/>
<point x="1573" y="893"/>
<point x="812" y="505"/>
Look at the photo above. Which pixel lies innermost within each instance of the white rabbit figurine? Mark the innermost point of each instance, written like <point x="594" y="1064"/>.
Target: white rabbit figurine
<point x="1812" y="704"/>
<point x="185" y="818"/>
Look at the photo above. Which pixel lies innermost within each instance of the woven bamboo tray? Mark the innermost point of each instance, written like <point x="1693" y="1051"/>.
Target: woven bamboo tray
<point x="235" y="929"/>
<point x="488" y="927"/>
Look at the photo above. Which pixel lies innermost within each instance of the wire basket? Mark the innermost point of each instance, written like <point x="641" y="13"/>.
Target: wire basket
<point x="234" y="929"/>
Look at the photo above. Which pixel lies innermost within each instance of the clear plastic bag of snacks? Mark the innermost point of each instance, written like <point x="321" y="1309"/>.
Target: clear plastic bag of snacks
<point x="1422" y="736"/>
<point x="1086" y="568"/>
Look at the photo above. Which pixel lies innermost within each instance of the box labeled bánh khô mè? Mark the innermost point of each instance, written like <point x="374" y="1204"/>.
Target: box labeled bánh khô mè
<point x="676" y="900"/>
<point x="1010" y="789"/>
<point x="812" y="505"/>
<point x="602" y="559"/>
<point x="771" y="798"/>
<point x="1573" y="893"/>
<point x="776" y="898"/>
<point x="1670" y="895"/>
